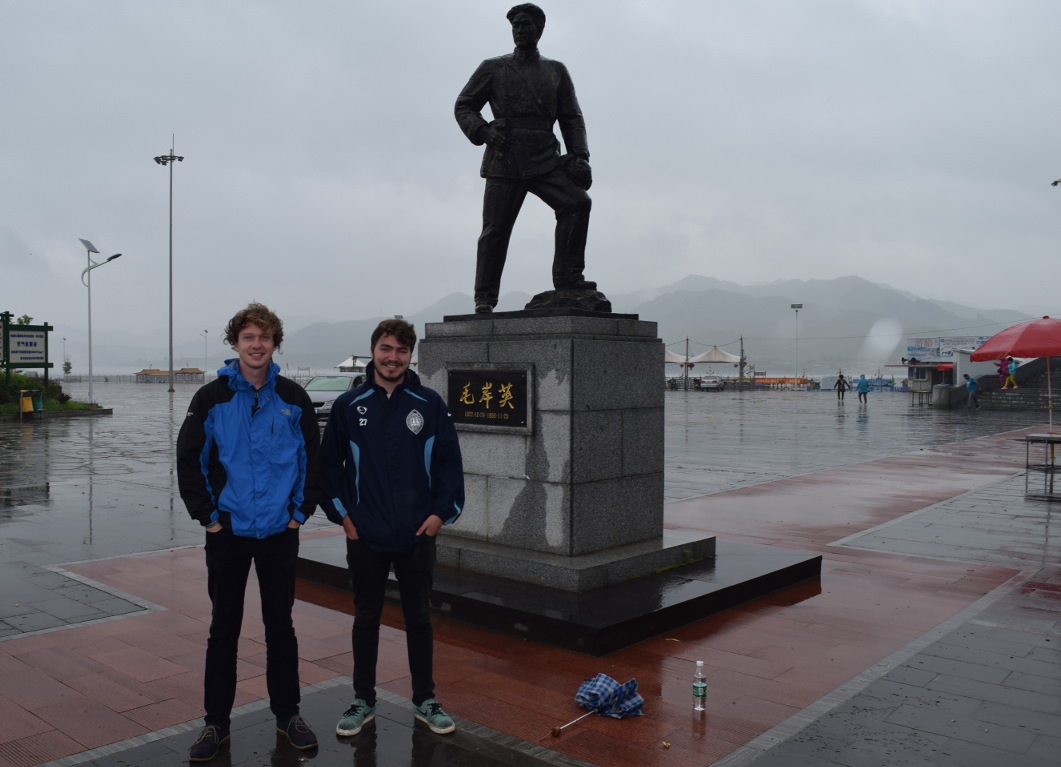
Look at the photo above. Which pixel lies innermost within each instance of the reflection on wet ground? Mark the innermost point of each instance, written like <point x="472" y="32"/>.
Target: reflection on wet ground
<point x="719" y="441"/>
<point x="99" y="486"/>
<point x="96" y="488"/>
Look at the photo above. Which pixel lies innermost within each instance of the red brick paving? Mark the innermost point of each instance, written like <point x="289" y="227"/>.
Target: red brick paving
<point x="82" y="687"/>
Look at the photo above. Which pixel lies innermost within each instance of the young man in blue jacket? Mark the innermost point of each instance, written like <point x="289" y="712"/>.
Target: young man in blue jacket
<point x="392" y="474"/>
<point x="247" y="469"/>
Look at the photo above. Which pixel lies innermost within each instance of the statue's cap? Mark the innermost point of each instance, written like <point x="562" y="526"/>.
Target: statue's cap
<point x="530" y="9"/>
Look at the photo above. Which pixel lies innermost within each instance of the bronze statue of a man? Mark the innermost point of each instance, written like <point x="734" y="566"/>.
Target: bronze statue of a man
<point x="527" y="94"/>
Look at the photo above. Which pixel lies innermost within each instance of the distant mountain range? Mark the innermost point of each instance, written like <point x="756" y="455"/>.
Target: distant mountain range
<point x="846" y="323"/>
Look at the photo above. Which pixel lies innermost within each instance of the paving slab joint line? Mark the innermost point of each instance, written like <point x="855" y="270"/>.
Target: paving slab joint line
<point x="849" y="541"/>
<point x="504" y="740"/>
<point x="780" y="733"/>
<point x="476" y="730"/>
<point x="191" y="726"/>
<point x="143" y="604"/>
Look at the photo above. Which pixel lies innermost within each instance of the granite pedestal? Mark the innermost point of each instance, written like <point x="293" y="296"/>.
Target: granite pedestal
<point x="571" y="496"/>
<point x="561" y="540"/>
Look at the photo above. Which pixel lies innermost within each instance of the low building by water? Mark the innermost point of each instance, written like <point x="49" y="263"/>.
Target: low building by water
<point x="184" y="375"/>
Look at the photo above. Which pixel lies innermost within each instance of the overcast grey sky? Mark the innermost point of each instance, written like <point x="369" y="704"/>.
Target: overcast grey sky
<point x="910" y="142"/>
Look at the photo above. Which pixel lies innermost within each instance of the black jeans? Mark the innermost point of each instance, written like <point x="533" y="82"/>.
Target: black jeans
<point x="368" y="574"/>
<point x="228" y="561"/>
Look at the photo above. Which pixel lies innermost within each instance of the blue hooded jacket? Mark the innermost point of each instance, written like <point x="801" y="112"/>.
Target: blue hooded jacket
<point x="248" y="457"/>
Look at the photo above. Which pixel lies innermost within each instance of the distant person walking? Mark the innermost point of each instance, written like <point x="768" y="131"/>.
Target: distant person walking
<point x="841" y="386"/>
<point x="863" y="389"/>
<point x="247" y="469"/>
<point x="974" y="392"/>
<point x="1003" y="367"/>
<point x="1011" y="373"/>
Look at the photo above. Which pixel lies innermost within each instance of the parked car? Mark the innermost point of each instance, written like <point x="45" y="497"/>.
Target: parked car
<point x="712" y="383"/>
<point x="323" y="390"/>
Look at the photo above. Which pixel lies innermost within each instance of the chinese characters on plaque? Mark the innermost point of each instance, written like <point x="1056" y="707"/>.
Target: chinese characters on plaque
<point x="482" y="397"/>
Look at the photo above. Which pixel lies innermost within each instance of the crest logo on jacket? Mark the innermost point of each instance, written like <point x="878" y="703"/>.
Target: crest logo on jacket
<point x="414" y="421"/>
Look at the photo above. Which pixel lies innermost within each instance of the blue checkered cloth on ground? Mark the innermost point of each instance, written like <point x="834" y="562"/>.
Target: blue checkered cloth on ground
<point x="609" y="698"/>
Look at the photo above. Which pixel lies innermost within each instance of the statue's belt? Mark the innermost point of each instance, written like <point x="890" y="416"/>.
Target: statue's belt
<point x="527" y="123"/>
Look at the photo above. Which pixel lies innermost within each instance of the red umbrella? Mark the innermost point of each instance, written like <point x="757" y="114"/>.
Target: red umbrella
<point x="1034" y="338"/>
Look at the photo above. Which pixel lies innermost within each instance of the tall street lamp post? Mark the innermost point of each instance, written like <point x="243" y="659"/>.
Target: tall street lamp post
<point x="206" y="335"/>
<point x="795" y="378"/>
<point x="87" y="273"/>
<point x="169" y="159"/>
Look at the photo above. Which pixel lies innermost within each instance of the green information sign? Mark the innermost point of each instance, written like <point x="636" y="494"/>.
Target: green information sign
<point x="23" y="346"/>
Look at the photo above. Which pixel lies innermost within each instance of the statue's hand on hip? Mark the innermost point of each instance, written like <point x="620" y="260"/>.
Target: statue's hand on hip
<point x="495" y="137"/>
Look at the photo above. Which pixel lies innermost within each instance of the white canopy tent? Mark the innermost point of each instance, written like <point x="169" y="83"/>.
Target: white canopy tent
<point x="714" y="354"/>
<point x="354" y="364"/>
<point x="357" y="364"/>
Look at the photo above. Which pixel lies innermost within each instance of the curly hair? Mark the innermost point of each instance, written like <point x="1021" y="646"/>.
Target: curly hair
<point x="257" y="314"/>
<point x="400" y="329"/>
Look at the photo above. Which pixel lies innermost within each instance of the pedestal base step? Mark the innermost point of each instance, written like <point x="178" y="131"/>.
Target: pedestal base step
<point x="603" y="620"/>
<point x="581" y="573"/>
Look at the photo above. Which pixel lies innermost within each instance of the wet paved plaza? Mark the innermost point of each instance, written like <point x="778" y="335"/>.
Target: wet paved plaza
<point x="917" y="510"/>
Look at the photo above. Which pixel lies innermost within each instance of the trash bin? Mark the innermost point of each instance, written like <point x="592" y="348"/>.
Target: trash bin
<point x="32" y="401"/>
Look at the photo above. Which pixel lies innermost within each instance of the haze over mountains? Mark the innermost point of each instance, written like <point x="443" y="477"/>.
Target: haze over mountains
<point x="846" y="323"/>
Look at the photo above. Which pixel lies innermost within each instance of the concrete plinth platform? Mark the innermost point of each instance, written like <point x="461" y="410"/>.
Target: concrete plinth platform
<point x="581" y="573"/>
<point x="602" y="620"/>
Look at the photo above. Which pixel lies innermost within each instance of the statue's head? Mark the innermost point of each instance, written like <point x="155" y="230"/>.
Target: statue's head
<point x="528" y="23"/>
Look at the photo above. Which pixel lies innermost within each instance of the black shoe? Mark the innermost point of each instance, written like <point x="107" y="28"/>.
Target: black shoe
<point x="208" y="745"/>
<point x="483" y="309"/>
<point x="298" y="733"/>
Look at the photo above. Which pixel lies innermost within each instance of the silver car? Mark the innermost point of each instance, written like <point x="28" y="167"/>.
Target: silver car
<point x="712" y="383"/>
<point x="324" y="390"/>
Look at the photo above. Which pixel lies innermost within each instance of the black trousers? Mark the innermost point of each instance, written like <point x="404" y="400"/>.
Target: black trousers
<point x="502" y="201"/>
<point x="228" y="562"/>
<point x="414" y="569"/>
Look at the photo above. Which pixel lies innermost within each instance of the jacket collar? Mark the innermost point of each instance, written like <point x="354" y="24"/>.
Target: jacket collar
<point x="521" y="55"/>
<point x="237" y="382"/>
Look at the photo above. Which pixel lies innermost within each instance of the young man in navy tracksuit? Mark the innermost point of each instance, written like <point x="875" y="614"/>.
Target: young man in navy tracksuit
<point x="247" y="469"/>
<point x="392" y="474"/>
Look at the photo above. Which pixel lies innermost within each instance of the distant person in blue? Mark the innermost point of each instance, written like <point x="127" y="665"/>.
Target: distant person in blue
<point x="841" y="386"/>
<point x="393" y="475"/>
<point x="247" y="469"/>
<point x="974" y="392"/>
<point x="1011" y="373"/>
<point x="862" y="386"/>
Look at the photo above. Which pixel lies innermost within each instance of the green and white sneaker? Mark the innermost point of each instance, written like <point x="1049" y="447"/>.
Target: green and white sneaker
<point x="430" y="712"/>
<point x="357" y="716"/>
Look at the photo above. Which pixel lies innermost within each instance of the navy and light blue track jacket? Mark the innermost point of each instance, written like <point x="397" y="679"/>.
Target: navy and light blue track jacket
<point x="247" y="457"/>
<point x="391" y="462"/>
